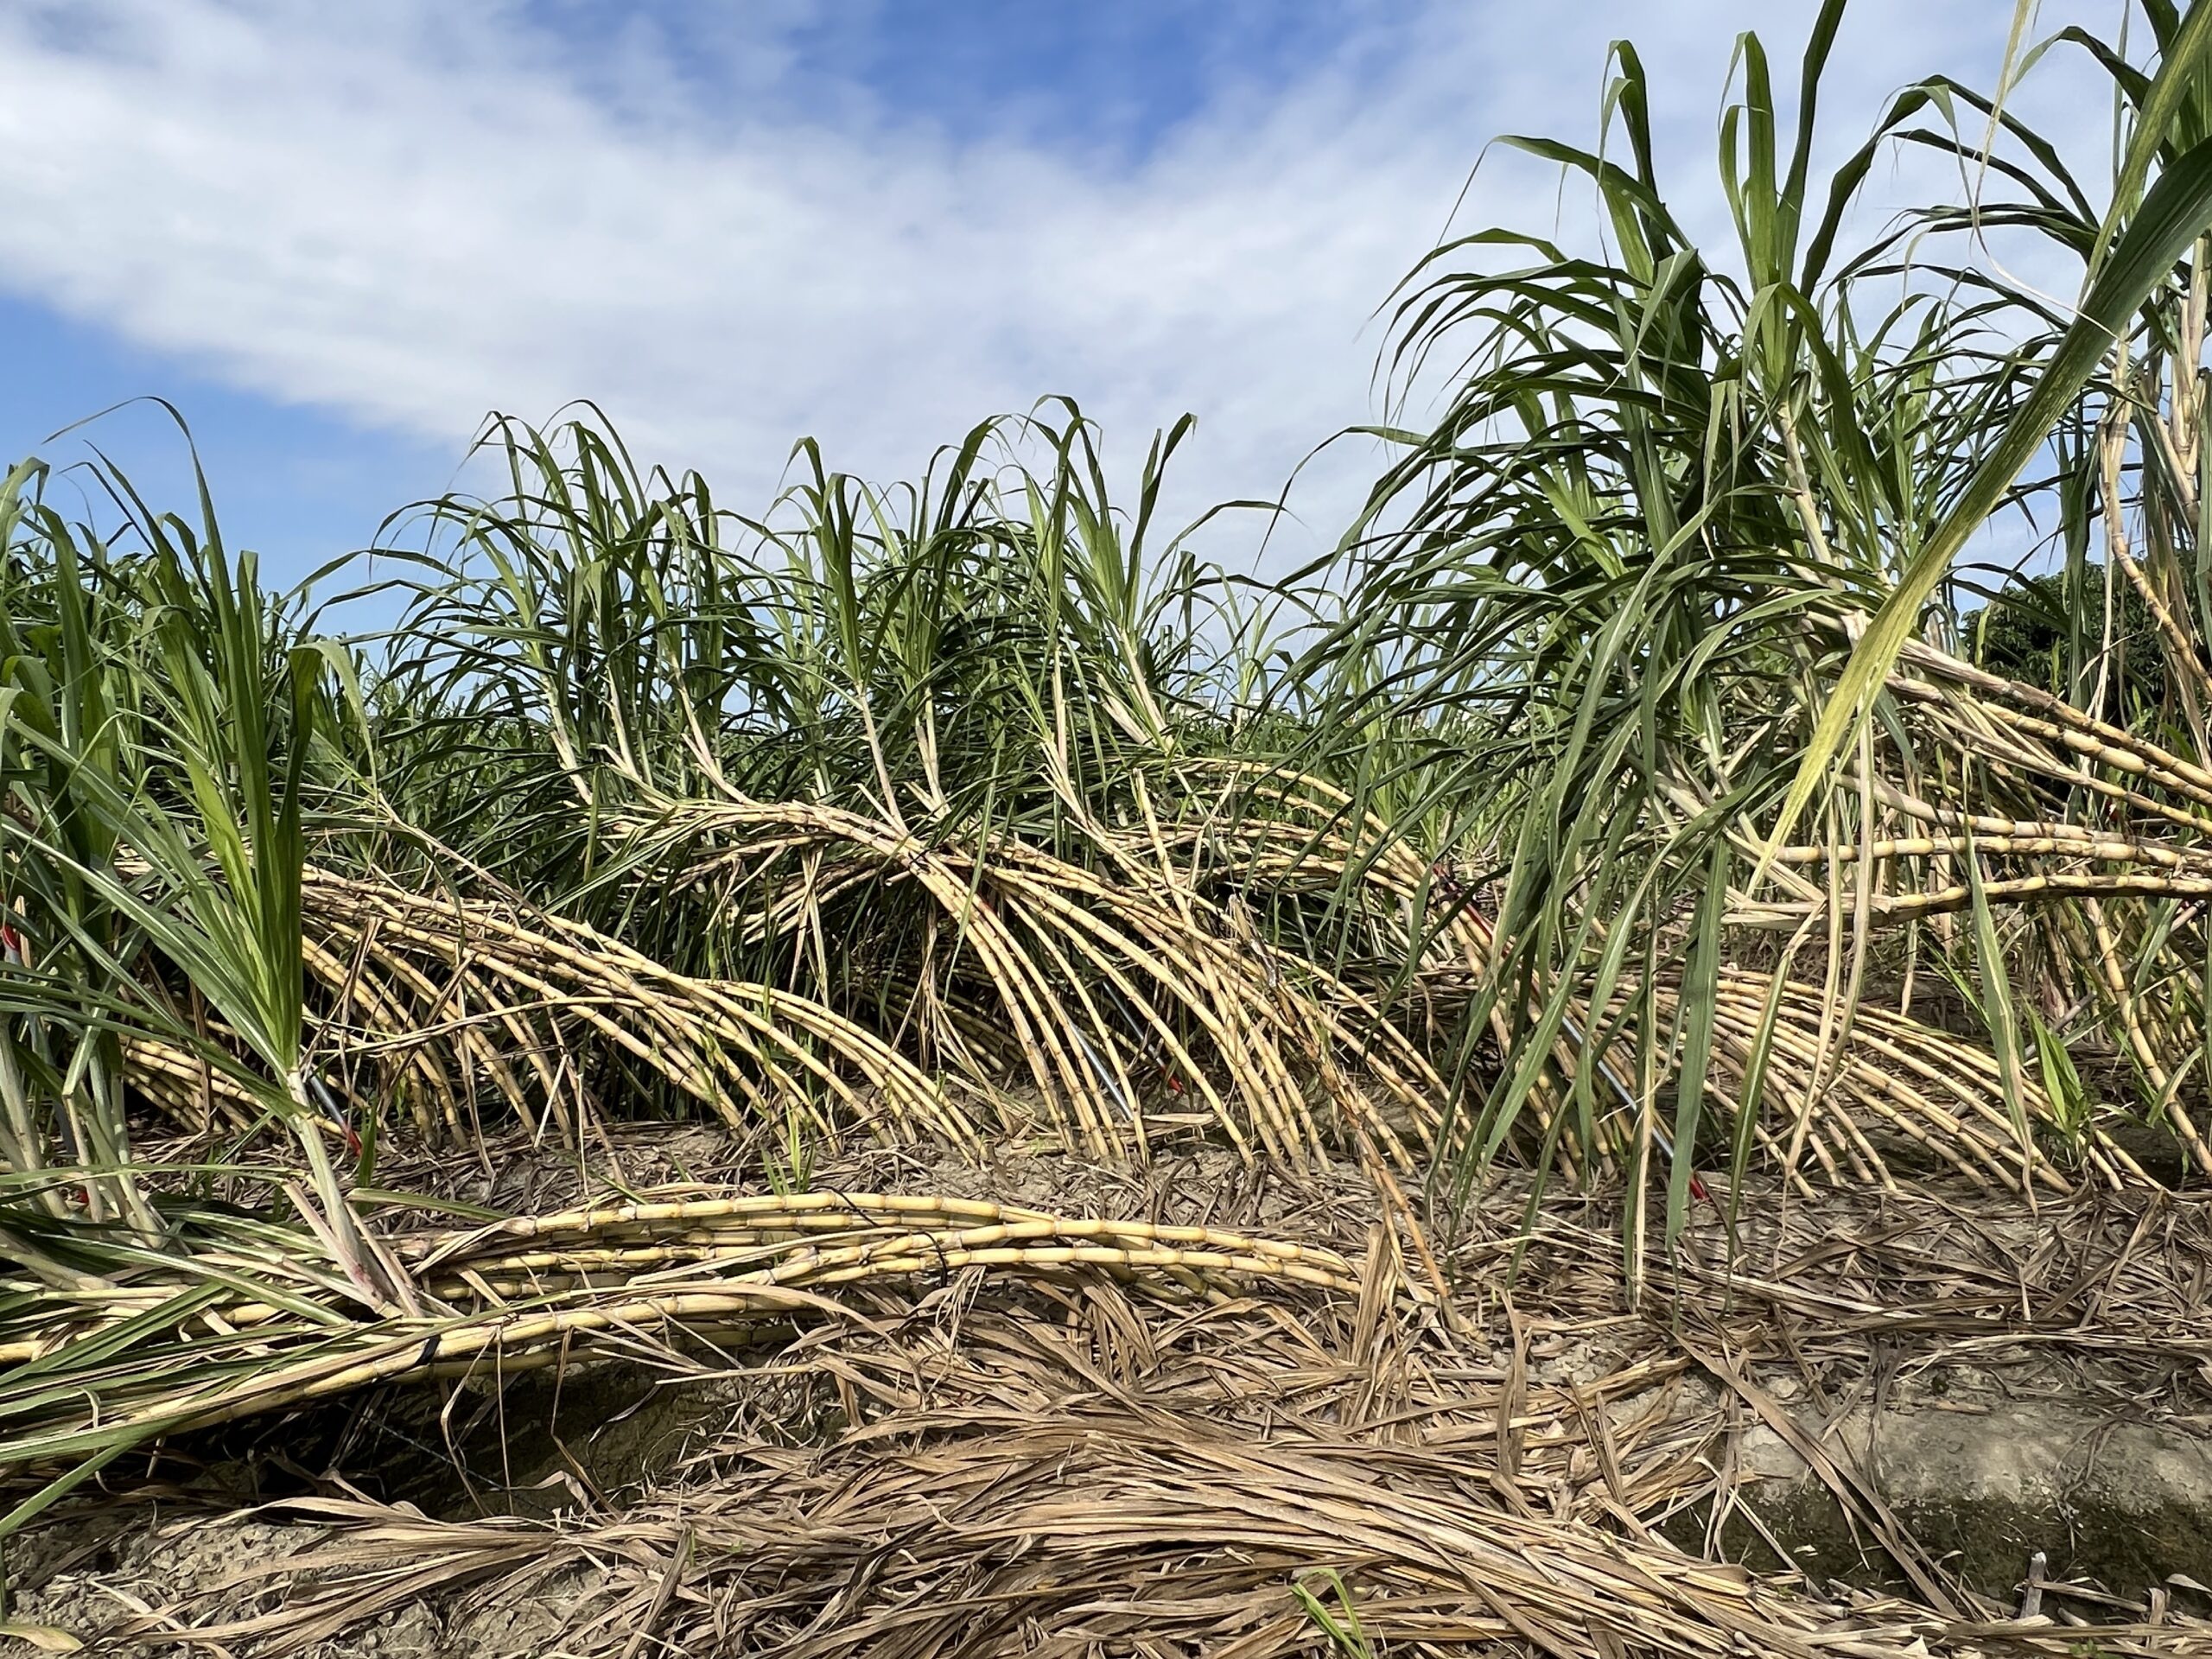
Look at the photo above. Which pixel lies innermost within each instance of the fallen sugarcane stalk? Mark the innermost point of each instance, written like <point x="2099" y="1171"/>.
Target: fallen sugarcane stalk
<point x="213" y="1345"/>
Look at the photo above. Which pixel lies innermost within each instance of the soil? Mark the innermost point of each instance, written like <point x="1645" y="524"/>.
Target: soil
<point x="2083" y="1432"/>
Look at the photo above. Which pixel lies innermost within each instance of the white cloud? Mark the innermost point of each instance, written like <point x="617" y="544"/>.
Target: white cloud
<point x="409" y="214"/>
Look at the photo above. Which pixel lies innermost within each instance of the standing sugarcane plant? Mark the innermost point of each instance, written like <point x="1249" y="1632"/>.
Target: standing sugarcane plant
<point x="228" y="698"/>
<point x="1674" y="573"/>
<point x="156" y="834"/>
<point x="64" y="749"/>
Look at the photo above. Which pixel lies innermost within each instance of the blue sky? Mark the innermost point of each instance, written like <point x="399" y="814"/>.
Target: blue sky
<point x="1104" y="82"/>
<point x="336" y="236"/>
<point x="305" y="482"/>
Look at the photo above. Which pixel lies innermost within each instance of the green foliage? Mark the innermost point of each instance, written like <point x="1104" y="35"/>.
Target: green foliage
<point x="990" y="777"/>
<point x="2033" y="631"/>
<point x="1671" y="489"/>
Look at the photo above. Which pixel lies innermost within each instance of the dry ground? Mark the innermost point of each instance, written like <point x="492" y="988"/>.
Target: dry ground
<point x="1853" y="1442"/>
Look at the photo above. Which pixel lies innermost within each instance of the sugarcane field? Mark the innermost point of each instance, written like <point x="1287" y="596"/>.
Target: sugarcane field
<point x="1608" y="1060"/>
